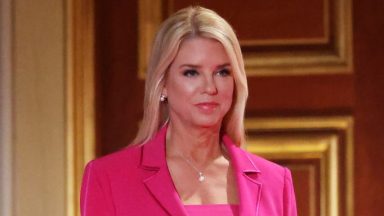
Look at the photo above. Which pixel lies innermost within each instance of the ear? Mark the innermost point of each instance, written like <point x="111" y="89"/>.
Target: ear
<point x="164" y="91"/>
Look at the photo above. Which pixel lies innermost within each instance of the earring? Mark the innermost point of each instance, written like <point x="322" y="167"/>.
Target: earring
<point x="163" y="98"/>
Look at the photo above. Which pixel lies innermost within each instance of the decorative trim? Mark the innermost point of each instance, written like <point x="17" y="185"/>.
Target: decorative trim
<point x="80" y="83"/>
<point x="301" y="140"/>
<point x="334" y="56"/>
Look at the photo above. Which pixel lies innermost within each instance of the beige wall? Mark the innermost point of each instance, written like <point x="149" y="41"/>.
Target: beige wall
<point x="5" y="109"/>
<point x="37" y="98"/>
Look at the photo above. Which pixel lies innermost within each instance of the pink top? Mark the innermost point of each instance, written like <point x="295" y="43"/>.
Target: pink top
<point x="215" y="209"/>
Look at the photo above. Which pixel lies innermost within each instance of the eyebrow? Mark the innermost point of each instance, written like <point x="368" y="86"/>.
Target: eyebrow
<point x="198" y="66"/>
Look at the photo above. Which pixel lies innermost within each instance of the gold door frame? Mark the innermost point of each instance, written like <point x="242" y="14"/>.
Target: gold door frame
<point x="80" y="102"/>
<point x="328" y="140"/>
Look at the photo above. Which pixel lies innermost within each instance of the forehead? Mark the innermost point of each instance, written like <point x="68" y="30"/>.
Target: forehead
<point x="201" y="49"/>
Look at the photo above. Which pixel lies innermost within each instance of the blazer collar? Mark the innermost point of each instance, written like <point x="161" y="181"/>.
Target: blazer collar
<point x="154" y="154"/>
<point x="247" y="173"/>
<point x="156" y="176"/>
<point x="158" y="180"/>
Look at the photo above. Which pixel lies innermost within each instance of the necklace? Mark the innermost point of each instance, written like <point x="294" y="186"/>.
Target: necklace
<point x="201" y="176"/>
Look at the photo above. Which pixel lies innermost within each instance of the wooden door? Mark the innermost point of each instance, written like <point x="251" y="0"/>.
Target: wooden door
<point x="315" y="79"/>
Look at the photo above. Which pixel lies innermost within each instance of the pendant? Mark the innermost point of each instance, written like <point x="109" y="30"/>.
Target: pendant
<point x="201" y="177"/>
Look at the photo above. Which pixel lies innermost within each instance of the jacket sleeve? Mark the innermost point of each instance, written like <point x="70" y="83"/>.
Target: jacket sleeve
<point x="94" y="197"/>
<point x="289" y="195"/>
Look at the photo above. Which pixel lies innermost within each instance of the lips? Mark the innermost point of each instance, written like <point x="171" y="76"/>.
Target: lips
<point x="207" y="106"/>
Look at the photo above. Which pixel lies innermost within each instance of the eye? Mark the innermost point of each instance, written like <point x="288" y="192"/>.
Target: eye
<point x="223" y="72"/>
<point x="190" y="73"/>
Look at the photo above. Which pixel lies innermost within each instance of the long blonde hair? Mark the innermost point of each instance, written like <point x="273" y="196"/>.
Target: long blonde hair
<point x="194" y="21"/>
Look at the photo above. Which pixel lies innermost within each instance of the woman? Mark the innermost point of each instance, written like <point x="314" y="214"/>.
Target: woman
<point x="186" y="158"/>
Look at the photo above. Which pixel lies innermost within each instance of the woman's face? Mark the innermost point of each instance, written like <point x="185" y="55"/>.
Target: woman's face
<point x="199" y="83"/>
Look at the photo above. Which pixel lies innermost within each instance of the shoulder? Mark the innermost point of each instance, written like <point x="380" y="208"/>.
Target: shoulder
<point x="251" y="162"/>
<point x="262" y="163"/>
<point x="268" y="169"/>
<point x="121" y="159"/>
<point x="276" y="180"/>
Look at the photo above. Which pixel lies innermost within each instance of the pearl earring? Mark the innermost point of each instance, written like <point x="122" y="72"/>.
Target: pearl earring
<point x="163" y="98"/>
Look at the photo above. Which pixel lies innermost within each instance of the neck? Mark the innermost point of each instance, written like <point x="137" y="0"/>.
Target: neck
<point x="202" y="145"/>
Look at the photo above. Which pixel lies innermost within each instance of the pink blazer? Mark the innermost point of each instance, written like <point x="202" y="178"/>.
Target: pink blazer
<point x="136" y="181"/>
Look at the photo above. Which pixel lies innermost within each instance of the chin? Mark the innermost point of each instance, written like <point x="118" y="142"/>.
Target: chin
<point x="209" y="123"/>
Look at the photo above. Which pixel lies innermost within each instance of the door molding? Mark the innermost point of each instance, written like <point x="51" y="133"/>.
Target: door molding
<point x="321" y="147"/>
<point x="80" y="98"/>
<point x="6" y="108"/>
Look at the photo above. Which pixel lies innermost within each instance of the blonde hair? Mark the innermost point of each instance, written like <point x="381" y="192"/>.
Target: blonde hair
<point x="194" y="21"/>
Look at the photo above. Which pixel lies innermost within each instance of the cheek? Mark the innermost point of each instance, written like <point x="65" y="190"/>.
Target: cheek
<point x="228" y="90"/>
<point x="180" y="90"/>
<point x="227" y="93"/>
<point x="180" y="93"/>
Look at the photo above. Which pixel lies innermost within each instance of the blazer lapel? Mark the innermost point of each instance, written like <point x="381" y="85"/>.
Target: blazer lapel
<point x="156" y="175"/>
<point x="249" y="188"/>
<point x="159" y="183"/>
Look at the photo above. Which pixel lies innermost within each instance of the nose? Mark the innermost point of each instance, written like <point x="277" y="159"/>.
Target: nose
<point x="210" y="85"/>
